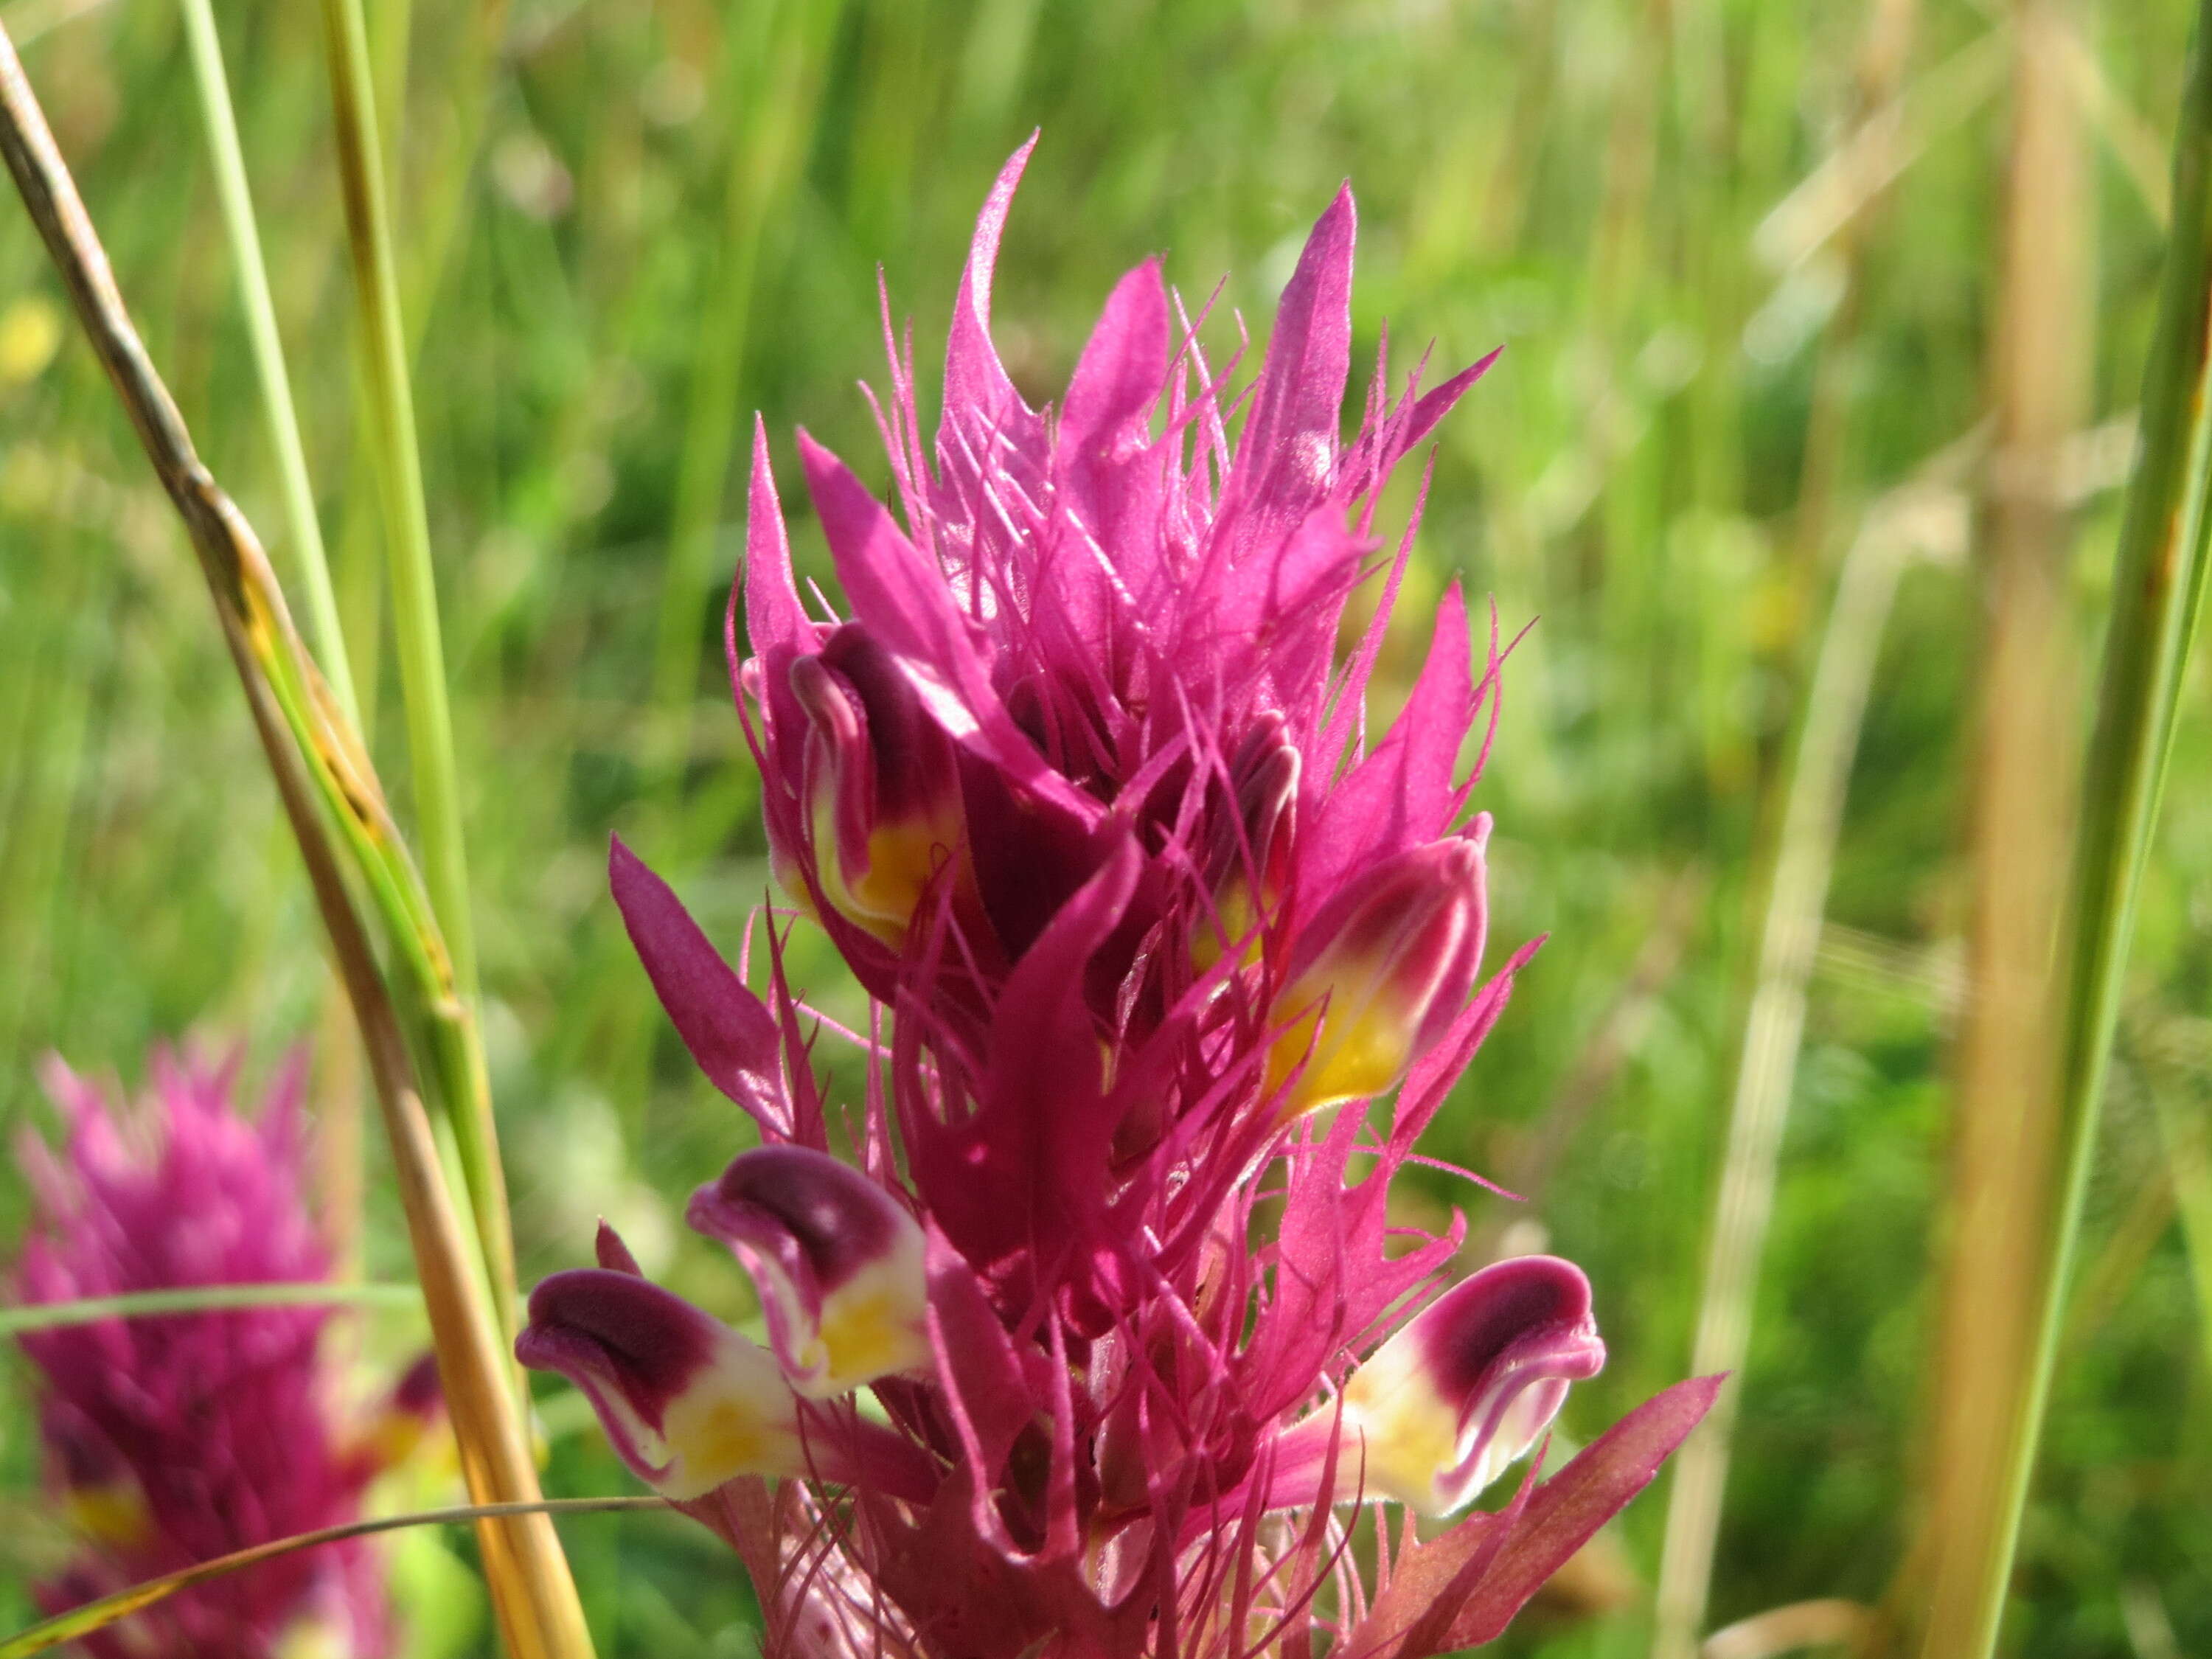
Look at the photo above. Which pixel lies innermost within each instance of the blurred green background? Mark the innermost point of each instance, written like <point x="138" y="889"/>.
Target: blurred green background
<point x="1742" y="256"/>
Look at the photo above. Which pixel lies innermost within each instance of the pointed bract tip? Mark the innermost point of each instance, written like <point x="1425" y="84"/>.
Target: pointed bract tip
<point x="612" y="1254"/>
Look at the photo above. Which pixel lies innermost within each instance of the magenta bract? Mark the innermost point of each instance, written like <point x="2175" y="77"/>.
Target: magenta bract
<point x="175" y="1438"/>
<point x="1083" y="792"/>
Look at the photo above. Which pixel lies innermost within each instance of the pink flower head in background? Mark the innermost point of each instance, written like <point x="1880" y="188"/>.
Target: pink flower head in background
<point x="1082" y="793"/>
<point x="173" y="1438"/>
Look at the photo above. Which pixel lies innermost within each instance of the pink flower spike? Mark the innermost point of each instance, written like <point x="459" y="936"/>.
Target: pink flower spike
<point x="171" y="1439"/>
<point x="837" y="1262"/>
<point x="1065" y="766"/>
<point x="414" y="1408"/>
<point x="1465" y="1389"/>
<point x="730" y="1032"/>
<point x="1286" y="460"/>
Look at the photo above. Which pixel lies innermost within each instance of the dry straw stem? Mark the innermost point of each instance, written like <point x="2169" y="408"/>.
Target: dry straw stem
<point x="2005" y="1122"/>
<point x="318" y="768"/>
<point x="1895" y="130"/>
<point x="1829" y="451"/>
<point x="1812" y="819"/>
<point x="2157" y="593"/>
<point x="1828" y="1623"/>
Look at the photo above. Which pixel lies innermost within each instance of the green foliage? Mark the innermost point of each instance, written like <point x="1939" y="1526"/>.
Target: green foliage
<point x="1557" y="177"/>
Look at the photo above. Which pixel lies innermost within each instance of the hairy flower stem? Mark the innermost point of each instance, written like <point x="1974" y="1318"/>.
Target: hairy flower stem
<point x="2157" y="593"/>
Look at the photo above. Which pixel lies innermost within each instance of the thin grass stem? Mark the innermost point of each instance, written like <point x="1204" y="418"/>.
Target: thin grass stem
<point x="2158" y="590"/>
<point x="1774" y="1029"/>
<point x="82" y="1621"/>
<point x="414" y="622"/>
<point x="268" y="347"/>
<point x="331" y="799"/>
<point x="204" y="1298"/>
<point x="338" y="1110"/>
<point x="392" y="408"/>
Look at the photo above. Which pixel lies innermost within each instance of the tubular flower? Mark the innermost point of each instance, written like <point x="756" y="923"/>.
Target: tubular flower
<point x="883" y="811"/>
<point x="1465" y="1389"/>
<point x="1083" y="794"/>
<point x="1378" y="978"/>
<point x="838" y="1263"/>
<point x="1249" y="860"/>
<point x="687" y="1402"/>
<point x="173" y="1438"/>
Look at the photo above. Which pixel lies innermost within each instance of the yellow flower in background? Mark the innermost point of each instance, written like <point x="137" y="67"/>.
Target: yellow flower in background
<point x="30" y="335"/>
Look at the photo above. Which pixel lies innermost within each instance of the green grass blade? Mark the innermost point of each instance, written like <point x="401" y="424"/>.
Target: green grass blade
<point x="2157" y="593"/>
<point x="283" y="421"/>
<point x="204" y="1298"/>
<point x="316" y="762"/>
<point x="415" y="600"/>
<point x="466" y="1093"/>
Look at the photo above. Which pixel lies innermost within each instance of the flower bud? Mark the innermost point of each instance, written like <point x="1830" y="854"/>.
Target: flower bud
<point x="414" y="1408"/>
<point x="881" y="793"/>
<point x="1465" y="1387"/>
<point x="1378" y="976"/>
<point x="687" y="1402"/>
<point x="1248" y="858"/>
<point x="837" y="1261"/>
<point x="100" y="1497"/>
